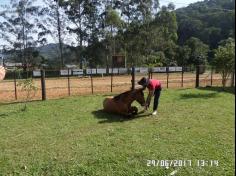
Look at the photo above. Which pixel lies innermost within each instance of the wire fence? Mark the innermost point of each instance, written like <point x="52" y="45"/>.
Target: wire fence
<point x="53" y="84"/>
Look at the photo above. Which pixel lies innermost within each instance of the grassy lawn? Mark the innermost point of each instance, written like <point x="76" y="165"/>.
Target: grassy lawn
<point x="72" y="137"/>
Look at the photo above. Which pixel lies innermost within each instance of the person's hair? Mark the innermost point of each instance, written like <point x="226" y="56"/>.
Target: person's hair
<point x="143" y="82"/>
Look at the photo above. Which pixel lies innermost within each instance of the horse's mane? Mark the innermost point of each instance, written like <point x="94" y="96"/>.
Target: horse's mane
<point x="118" y="97"/>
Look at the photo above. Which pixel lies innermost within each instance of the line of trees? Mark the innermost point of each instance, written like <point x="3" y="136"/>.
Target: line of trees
<point x="144" y="32"/>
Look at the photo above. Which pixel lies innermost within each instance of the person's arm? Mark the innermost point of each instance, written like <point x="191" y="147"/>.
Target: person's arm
<point x="149" y="97"/>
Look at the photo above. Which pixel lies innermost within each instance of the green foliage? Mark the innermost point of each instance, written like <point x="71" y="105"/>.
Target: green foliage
<point x="183" y="55"/>
<point x="140" y="29"/>
<point x="210" y="21"/>
<point x="18" y="28"/>
<point x="225" y="59"/>
<point x="158" y="35"/>
<point x="155" y="60"/>
<point x="199" y="51"/>
<point x="113" y="18"/>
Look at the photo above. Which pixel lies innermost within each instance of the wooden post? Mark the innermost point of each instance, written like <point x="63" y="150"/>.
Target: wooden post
<point x="43" y="87"/>
<point x="133" y="78"/>
<point x="111" y="79"/>
<point x="15" y="85"/>
<point x="197" y="76"/>
<point x="149" y="73"/>
<point x="68" y="78"/>
<point x="232" y="79"/>
<point x="211" y="76"/>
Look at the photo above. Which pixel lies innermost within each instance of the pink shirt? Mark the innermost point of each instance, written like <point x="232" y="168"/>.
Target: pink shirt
<point x="154" y="84"/>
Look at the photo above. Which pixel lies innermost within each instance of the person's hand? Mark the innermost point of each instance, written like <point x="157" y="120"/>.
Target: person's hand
<point x="2" y="72"/>
<point x="146" y="107"/>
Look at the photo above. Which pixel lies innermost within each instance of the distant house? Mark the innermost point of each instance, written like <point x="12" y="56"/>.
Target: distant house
<point x="70" y="66"/>
<point x="12" y="65"/>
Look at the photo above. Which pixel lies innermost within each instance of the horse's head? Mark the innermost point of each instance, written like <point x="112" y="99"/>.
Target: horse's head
<point x="139" y="96"/>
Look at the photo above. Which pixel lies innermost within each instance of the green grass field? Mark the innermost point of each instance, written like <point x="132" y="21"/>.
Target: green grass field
<point x="72" y="137"/>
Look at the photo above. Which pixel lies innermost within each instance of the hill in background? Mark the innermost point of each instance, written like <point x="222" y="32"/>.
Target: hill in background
<point x="211" y="21"/>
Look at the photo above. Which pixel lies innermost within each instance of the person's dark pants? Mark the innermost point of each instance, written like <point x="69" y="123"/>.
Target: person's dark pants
<point x="157" y="94"/>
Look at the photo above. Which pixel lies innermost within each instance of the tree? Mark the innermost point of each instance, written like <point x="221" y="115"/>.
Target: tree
<point x="55" y="23"/>
<point x="18" y="28"/>
<point x="183" y="55"/>
<point x="93" y="22"/>
<point x="29" y="87"/>
<point x="165" y="34"/>
<point x="198" y="53"/>
<point x="225" y="59"/>
<point x="112" y="21"/>
<point x="211" y="21"/>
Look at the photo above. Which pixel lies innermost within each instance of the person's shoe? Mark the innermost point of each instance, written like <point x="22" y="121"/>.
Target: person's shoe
<point x="154" y="113"/>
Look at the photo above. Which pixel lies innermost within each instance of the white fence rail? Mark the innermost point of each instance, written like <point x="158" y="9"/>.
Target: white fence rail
<point x="102" y="71"/>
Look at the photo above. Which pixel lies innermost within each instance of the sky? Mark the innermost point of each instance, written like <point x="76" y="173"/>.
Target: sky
<point x="177" y="3"/>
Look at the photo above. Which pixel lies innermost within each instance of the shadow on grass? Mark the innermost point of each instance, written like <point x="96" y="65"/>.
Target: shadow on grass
<point x="212" y="92"/>
<point x="17" y="102"/>
<point x="111" y="118"/>
<point x="198" y="95"/>
<point x="7" y="114"/>
<point x="21" y="109"/>
<point x="230" y="90"/>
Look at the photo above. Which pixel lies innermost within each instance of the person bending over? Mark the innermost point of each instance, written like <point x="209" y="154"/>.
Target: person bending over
<point x="154" y="88"/>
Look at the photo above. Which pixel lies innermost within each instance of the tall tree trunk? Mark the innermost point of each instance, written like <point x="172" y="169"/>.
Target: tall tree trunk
<point x="80" y="38"/>
<point x="224" y="80"/>
<point x="232" y="79"/>
<point x="24" y="44"/>
<point x="59" y="36"/>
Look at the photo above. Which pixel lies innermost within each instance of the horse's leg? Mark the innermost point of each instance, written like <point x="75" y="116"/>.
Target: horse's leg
<point x="125" y="111"/>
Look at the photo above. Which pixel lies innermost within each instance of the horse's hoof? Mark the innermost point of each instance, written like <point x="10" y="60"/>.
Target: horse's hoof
<point x="134" y="110"/>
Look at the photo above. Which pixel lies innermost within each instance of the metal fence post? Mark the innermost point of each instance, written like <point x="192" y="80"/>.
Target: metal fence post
<point x="43" y="87"/>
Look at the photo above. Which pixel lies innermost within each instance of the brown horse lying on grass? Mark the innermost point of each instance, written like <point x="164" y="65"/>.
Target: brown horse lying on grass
<point x="121" y="104"/>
